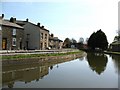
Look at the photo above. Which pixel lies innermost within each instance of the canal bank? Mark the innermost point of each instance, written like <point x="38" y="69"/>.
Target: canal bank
<point x="100" y="51"/>
<point x="42" y="59"/>
<point x="113" y="53"/>
<point x="39" y="58"/>
<point x="70" y="73"/>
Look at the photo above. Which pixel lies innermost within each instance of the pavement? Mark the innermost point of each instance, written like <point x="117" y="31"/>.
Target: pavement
<point x="16" y="52"/>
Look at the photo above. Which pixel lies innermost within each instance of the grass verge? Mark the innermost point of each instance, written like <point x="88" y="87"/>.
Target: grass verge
<point x="117" y="53"/>
<point x="37" y="55"/>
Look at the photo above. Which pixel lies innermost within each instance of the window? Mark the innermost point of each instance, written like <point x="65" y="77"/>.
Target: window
<point x="41" y="35"/>
<point x="45" y="45"/>
<point x="14" y="31"/>
<point x="45" y="36"/>
<point x="14" y="42"/>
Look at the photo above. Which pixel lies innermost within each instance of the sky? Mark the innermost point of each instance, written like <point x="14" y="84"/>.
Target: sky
<point x="68" y="18"/>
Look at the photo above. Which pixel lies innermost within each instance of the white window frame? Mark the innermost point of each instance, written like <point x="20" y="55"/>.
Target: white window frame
<point x="13" y="41"/>
<point x="14" y="31"/>
<point x="41" y="35"/>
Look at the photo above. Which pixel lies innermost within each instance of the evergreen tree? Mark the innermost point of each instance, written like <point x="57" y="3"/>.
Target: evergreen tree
<point x="91" y="41"/>
<point x="98" y="40"/>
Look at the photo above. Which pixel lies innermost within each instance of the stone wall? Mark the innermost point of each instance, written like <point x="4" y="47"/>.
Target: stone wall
<point x="7" y="34"/>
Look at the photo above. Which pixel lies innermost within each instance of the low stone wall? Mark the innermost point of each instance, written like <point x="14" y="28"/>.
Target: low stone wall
<point x="42" y="59"/>
<point x="11" y="52"/>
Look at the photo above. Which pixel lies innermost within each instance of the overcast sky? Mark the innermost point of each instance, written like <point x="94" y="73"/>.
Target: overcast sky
<point x="68" y="18"/>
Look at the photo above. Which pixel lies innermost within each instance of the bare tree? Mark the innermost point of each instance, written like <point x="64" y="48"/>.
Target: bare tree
<point x="81" y="40"/>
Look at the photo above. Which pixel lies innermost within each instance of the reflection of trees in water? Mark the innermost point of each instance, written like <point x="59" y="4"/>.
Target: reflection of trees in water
<point x="116" y="60"/>
<point x="97" y="62"/>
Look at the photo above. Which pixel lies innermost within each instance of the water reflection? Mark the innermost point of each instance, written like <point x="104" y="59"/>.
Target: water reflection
<point x="25" y="75"/>
<point x="116" y="60"/>
<point x="30" y="74"/>
<point x="97" y="62"/>
<point x="26" y="71"/>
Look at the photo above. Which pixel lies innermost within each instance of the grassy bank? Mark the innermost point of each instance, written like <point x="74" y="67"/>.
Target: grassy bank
<point x="22" y="56"/>
<point x="116" y="53"/>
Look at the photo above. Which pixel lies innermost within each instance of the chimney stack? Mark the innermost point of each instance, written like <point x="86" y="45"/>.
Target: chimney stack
<point x="52" y="35"/>
<point x="38" y="24"/>
<point x="27" y="20"/>
<point x="42" y="27"/>
<point x="13" y="20"/>
<point x="2" y="15"/>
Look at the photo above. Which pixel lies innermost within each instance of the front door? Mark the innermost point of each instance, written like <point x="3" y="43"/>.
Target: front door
<point x="4" y="43"/>
<point x="20" y="45"/>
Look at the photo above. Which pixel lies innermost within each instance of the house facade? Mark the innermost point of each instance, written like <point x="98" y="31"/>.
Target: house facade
<point x="11" y="35"/>
<point x="54" y="42"/>
<point x="115" y="46"/>
<point x="35" y="36"/>
<point x="18" y="34"/>
<point x="44" y="38"/>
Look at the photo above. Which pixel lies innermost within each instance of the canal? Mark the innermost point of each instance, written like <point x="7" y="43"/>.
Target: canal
<point x="91" y="71"/>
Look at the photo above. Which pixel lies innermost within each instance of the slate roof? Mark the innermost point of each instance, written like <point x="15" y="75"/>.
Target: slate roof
<point x="10" y="24"/>
<point x="20" y="22"/>
<point x="116" y="43"/>
<point x="55" y="39"/>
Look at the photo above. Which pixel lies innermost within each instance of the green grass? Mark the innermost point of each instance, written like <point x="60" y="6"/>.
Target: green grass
<point x="37" y="55"/>
<point x="117" y="53"/>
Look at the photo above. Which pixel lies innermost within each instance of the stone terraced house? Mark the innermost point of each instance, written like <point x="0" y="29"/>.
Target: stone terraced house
<point x="54" y="42"/>
<point x="36" y="37"/>
<point x="25" y="35"/>
<point x="11" y="35"/>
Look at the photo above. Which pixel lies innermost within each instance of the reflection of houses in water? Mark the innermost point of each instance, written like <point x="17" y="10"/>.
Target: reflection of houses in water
<point x="24" y="75"/>
<point x="116" y="60"/>
<point x="97" y="62"/>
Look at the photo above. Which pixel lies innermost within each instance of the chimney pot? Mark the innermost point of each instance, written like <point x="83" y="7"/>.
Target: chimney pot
<point x="42" y="27"/>
<point x="2" y="15"/>
<point x="38" y="24"/>
<point x="13" y="20"/>
<point x="27" y="20"/>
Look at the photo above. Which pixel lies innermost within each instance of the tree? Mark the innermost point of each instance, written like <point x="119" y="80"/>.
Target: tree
<point x="86" y="41"/>
<point x="81" y="40"/>
<point x="67" y="43"/>
<point x="73" y="41"/>
<point x="117" y="37"/>
<point x="98" y="40"/>
<point x="91" y="41"/>
<point x="101" y="40"/>
<point x="80" y="43"/>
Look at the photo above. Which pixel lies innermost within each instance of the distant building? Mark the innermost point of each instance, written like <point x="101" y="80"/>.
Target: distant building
<point x="44" y="38"/>
<point x="54" y="42"/>
<point x="115" y="46"/>
<point x="11" y="34"/>
<point x="36" y="36"/>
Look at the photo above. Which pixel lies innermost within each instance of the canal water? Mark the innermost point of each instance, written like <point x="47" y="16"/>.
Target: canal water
<point x="91" y="71"/>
